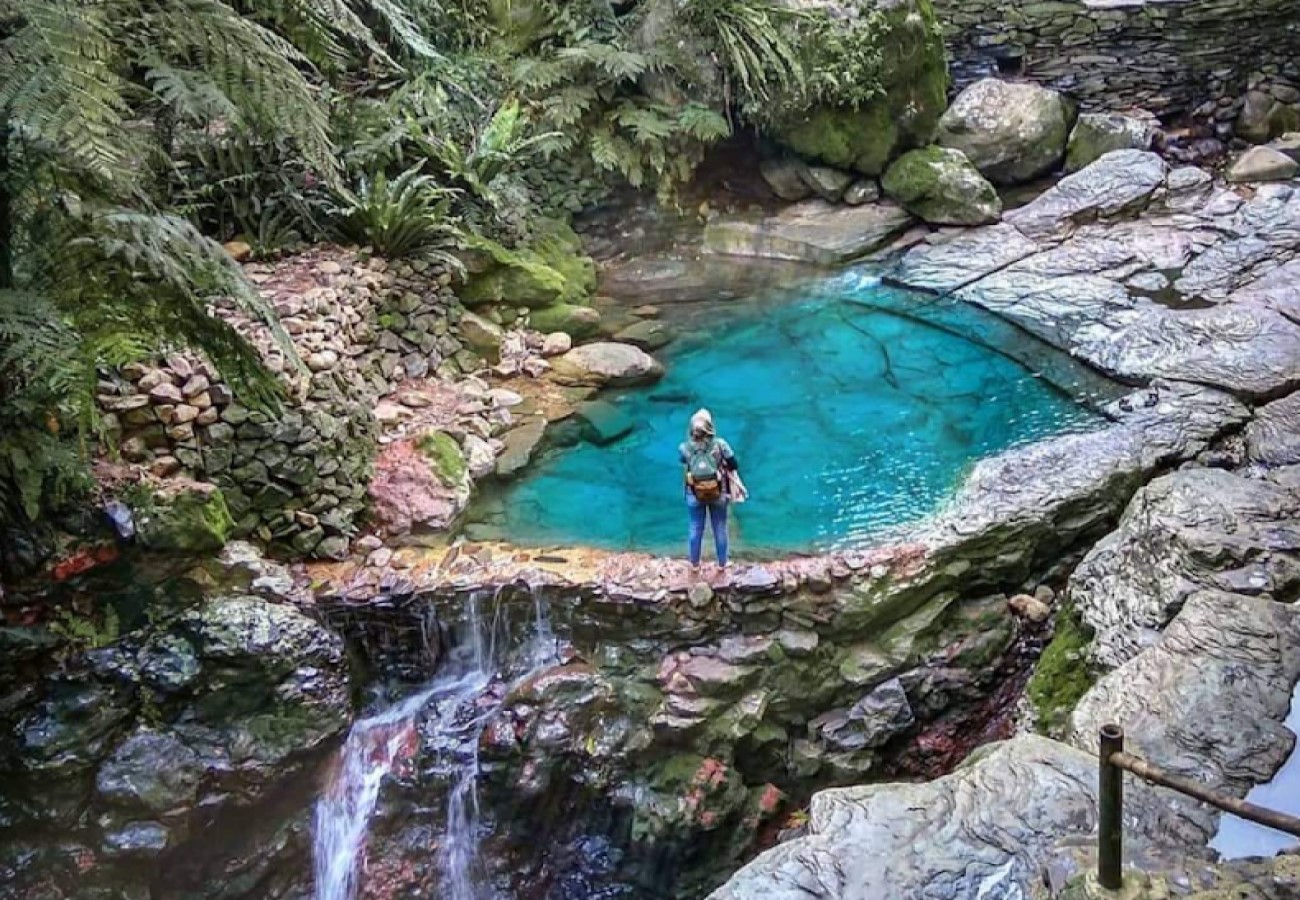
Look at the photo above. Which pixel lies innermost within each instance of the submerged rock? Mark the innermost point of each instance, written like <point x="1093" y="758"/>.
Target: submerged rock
<point x="1012" y="132"/>
<point x="942" y="187"/>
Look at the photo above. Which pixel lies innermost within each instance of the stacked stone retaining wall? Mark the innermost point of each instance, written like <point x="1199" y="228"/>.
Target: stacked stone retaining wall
<point x="1167" y="56"/>
<point x="298" y="477"/>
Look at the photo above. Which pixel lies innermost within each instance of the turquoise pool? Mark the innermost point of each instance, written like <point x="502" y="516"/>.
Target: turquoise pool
<point x="852" y="407"/>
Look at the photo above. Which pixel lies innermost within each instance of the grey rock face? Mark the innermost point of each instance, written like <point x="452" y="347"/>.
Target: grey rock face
<point x="1119" y="181"/>
<point x="1096" y="134"/>
<point x="1219" y="679"/>
<point x="981" y="832"/>
<point x="1192" y="529"/>
<point x="785" y="177"/>
<point x="1273" y="436"/>
<point x="1074" y="484"/>
<point x="813" y="231"/>
<point x="1012" y="132"/>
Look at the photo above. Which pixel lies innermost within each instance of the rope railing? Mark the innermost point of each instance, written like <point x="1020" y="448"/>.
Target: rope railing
<point x="1113" y="762"/>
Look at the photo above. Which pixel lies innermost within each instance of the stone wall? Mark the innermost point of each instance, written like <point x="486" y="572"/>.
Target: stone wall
<point x="360" y="328"/>
<point x="1167" y="56"/>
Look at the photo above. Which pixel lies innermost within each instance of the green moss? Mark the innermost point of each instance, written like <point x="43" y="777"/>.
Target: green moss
<point x="864" y="130"/>
<point x="444" y="455"/>
<point x="576" y="321"/>
<point x="1062" y="675"/>
<point x="914" y="175"/>
<point x="196" y="520"/>
<point x="552" y="270"/>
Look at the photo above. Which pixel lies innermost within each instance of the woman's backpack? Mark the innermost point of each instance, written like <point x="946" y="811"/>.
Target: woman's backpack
<point x="704" y="471"/>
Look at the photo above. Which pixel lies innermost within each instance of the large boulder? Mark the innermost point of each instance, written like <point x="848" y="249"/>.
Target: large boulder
<point x="1219" y="676"/>
<point x="578" y="322"/>
<point x="941" y="187"/>
<point x="187" y="517"/>
<point x="914" y="82"/>
<point x="1262" y="164"/>
<point x="1012" y="132"/>
<point x="1096" y="134"/>
<point x="606" y="364"/>
<point x="1190" y="530"/>
<point x="983" y="831"/>
<point x="1122" y="181"/>
<point x="552" y="269"/>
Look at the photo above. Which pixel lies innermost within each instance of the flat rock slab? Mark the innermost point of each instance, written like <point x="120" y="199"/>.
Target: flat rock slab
<point x="1208" y="700"/>
<point x="984" y="831"/>
<point x="947" y="264"/>
<point x="1189" y="530"/>
<point x="1245" y="348"/>
<point x="1119" y="182"/>
<point x="813" y="231"/>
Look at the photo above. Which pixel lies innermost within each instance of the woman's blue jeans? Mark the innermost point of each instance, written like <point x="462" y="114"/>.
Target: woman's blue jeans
<point x="717" y="514"/>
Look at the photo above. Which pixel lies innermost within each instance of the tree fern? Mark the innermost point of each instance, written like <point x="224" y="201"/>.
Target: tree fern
<point x="89" y="92"/>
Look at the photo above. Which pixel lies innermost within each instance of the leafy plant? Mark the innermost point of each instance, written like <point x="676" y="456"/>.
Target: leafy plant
<point x="752" y="38"/>
<point x="92" y="96"/>
<point x="84" y="632"/>
<point x="240" y="186"/>
<point x="401" y="216"/>
<point x="584" y="83"/>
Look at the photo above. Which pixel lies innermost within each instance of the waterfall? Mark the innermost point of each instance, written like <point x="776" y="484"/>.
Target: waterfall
<point x="460" y="711"/>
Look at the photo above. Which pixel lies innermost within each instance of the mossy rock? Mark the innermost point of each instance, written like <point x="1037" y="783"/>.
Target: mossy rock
<point x="194" y="519"/>
<point x="552" y="270"/>
<point x="1062" y="675"/>
<point x="914" y="82"/>
<point x="942" y="187"/>
<point x="444" y="456"/>
<point x="578" y="322"/>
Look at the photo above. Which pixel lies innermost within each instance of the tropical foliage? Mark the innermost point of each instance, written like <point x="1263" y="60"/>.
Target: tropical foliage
<point x="137" y="135"/>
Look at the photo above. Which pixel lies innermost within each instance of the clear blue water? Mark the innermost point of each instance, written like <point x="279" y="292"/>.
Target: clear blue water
<point x="852" y="407"/>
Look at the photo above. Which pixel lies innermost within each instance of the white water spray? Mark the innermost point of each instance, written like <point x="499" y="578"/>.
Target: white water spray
<point x="377" y="744"/>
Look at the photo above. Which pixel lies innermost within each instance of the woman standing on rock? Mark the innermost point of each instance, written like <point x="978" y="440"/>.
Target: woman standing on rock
<point x="711" y="472"/>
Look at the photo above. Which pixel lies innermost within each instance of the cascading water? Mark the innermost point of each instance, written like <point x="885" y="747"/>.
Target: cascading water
<point x="462" y="707"/>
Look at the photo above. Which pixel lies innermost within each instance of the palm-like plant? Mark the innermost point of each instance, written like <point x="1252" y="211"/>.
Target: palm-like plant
<point x="91" y="92"/>
<point x="401" y="216"/>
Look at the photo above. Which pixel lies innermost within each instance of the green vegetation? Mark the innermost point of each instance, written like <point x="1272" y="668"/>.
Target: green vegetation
<point x="1062" y="675"/>
<point x="137" y="137"/>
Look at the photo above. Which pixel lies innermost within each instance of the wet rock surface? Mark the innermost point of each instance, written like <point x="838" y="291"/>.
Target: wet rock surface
<point x="1208" y="699"/>
<point x="127" y="758"/>
<point x="813" y="231"/>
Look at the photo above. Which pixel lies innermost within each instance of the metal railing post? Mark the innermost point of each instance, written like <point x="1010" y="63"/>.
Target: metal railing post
<point x="1110" y="809"/>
